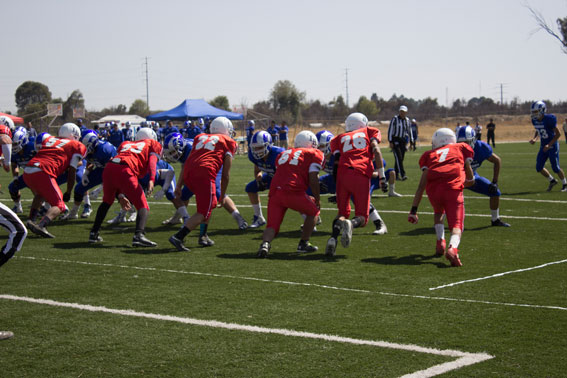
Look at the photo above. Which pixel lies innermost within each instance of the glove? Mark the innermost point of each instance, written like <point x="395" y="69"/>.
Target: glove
<point x="332" y="199"/>
<point x="159" y="195"/>
<point x="492" y="188"/>
<point x="66" y="196"/>
<point x="412" y="218"/>
<point x="85" y="179"/>
<point x="384" y="185"/>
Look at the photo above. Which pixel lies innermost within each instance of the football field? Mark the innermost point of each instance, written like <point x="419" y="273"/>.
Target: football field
<point x="384" y="307"/>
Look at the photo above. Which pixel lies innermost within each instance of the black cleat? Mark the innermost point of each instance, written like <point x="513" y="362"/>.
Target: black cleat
<point x="306" y="247"/>
<point x="264" y="249"/>
<point x="499" y="223"/>
<point x="205" y="241"/>
<point x="94" y="237"/>
<point x="178" y="244"/>
<point x="552" y="183"/>
<point x="564" y="189"/>
<point x="41" y="231"/>
<point x="140" y="240"/>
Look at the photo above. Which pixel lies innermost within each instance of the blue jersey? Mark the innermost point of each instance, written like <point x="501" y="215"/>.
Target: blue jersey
<point x="249" y="133"/>
<point x="192" y="132"/>
<point x="545" y="128"/>
<point x="26" y="154"/>
<point x="282" y="132"/>
<point x="128" y="134"/>
<point x="103" y="152"/>
<point x="116" y="137"/>
<point x="269" y="165"/>
<point x="169" y="130"/>
<point x="186" y="150"/>
<point x="482" y="151"/>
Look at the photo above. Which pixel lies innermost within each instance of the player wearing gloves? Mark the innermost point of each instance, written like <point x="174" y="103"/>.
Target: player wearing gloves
<point x="482" y="152"/>
<point x="353" y="152"/>
<point x="446" y="170"/>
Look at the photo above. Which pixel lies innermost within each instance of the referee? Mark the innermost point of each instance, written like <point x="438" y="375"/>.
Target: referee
<point x="399" y="135"/>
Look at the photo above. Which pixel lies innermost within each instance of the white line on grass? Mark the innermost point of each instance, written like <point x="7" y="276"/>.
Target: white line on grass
<point x="463" y="358"/>
<point x="498" y="275"/>
<point x="327" y="287"/>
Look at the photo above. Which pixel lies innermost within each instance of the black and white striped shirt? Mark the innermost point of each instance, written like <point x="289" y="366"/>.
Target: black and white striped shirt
<point x="399" y="128"/>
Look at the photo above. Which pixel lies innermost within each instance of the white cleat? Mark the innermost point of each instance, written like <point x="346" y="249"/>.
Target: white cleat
<point x="258" y="222"/>
<point x="394" y="194"/>
<point x="120" y="218"/>
<point x="381" y="230"/>
<point x="346" y="233"/>
<point x="18" y="208"/>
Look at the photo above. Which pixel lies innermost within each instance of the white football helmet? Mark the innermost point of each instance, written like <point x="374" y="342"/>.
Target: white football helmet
<point x="19" y="139"/>
<point x="305" y="139"/>
<point x="70" y="131"/>
<point x="466" y="134"/>
<point x="442" y="137"/>
<point x="145" y="133"/>
<point x="356" y="121"/>
<point x="222" y="125"/>
<point x="7" y="121"/>
<point x="538" y="110"/>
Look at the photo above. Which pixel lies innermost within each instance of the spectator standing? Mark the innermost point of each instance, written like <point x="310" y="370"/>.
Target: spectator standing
<point x="414" y="132"/>
<point x="273" y="130"/>
<point x="249" y="132"/>
<point x="31" y="131"/>
<point x="192" y="130"/>
<point x="490" y="132"/>
<point x="82" y="127"/>
<point x="398" y="136"/>
<point x="169" y="129"/>
<point x="127" y="132"/>
<point x="478" y="131"/>
<point x="115" y="137"/>
<point x="284" y="130"/>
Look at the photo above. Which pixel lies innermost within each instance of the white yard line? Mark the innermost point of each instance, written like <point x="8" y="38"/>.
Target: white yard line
<point x="498" y="275"/>
<point x="321" y="286"/>
<point x="463" y="358"/>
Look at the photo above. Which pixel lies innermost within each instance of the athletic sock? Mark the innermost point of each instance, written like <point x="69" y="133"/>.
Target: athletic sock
<point x="44" y="221"/>
<point x="550" y="178"/>
<point x="87" y="200"/>
<point x="257" y="210"/>
<point x="182" y="233"/>
<point x="495" y="214"/>
<point x="455" y="240"/>
<point x="203" y="228"/>
<point x="440" y="231"/>
<point x="336" y="228"/>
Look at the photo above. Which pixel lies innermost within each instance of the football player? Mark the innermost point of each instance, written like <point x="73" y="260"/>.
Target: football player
<point x="210" y="152"/>
<point x="482" y="152"/>
<point x="57" y="155"/>
<point x="446" y="170"/>
<point x="354" y="151"/>
<point x="262" y="153"/>
<point x="120" y="180"/>
<point x="296" y="170"/>
<point x="546" y="128"/>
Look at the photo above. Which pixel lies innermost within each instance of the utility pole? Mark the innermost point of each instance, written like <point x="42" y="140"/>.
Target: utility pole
<point x="346" y="86"/>
<point x="147" y="86"/>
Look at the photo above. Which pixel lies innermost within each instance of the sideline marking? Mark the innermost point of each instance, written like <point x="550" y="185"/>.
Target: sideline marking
<point x="498" y="275"/>
<point x="328" y="287"/>
<point x="463" y="358"/>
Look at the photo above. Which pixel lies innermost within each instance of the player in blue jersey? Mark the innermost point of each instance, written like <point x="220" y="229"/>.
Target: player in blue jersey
<point x="116" y="137"/>
<point x="262" y="153"/>
<point x="191" y="130"/>
<point x="482" y="152"/>
<point x="177" y="149"/>
<point x="23" y="149"/>
<point x="250" y="131"/>
<point x="546" y="128"/>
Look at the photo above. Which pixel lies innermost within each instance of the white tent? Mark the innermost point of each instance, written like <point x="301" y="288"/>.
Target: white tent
<point x="120" y="119"/>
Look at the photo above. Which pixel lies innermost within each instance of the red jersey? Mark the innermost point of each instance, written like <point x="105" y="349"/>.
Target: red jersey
<point x="5" y="130"/>
<point x="293" y="166"/>
<point x="208" y="153"/>
<point x="56" y="155"/>
<point x="136" y="155"/>
<point x="355" y="149"/>
<point x="446" y="165"/>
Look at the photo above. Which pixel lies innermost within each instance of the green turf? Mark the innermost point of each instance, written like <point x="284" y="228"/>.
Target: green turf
<point x="377" y="289"/>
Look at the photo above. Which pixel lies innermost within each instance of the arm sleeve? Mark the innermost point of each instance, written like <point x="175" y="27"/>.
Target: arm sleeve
<point x="152" y="167"/>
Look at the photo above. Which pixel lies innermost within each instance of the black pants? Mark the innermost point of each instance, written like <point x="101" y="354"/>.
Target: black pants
<point x="17" y="233"/>
<point x="399" y="151"/>
<point x="489" y="137"/>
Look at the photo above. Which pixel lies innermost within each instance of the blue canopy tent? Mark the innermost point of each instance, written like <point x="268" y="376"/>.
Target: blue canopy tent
<point x="192" y="109"/>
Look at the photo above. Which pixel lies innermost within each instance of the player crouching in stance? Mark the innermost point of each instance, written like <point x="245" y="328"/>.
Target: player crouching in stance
<point x="56" y="156"/>
<point x="120" y="180"/>
<point x="353" y="152"/>
<point x="446" y="170"/>
<point x="210" y="152"/>
<point x="546" y="128"/>
<point x="296" y="170"/>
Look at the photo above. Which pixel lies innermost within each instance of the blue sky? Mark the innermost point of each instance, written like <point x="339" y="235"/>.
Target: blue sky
<point x="240" y="49"/>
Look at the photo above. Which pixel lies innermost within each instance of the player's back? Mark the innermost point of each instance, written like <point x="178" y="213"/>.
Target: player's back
<point x="482" y="151"/>
<point x="103" y="152"/>
<point x="445" y="165"/>
<point x="355" y="149"/>
<point x="208" y="153"/>
<point x="56" y="154"/>
<point x="137" y="155"/>
<point x="292" y="168"/>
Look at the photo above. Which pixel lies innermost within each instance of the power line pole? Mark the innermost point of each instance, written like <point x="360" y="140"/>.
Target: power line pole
<point x="147" y="86"/>
<point x="346" y="85"/>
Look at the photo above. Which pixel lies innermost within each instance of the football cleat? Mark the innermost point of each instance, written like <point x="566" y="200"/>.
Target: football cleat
<point x="394" y="194"/>
<point x="242" y="224"/>
<point x="175" y="219"/>
<point x="381" y="228"/>
<point x="87" y="211"/>
<point x="453" y="256"/>
<point x="257" y="222"/>
<point x="264" y="249"/>
<point x="440" y="247"/>
<point x="18" y="208"/>
<point x="140" y="240"/>
<point x="552" y="183"/>
<point x="41" y="231"/>
<point x="205" y="241"/>
<point x="306" y="247"/>
<point x="318" y="221"/>
<point x="120" y="218"/>
<point x="178" y="244"/>
<point x="68" y="215"/>
<point x="346" y="233"/>
<point x="563" y="189"/>
<point x="131" y="216"/>
<point x="94" y="237"/>
<point x="4" y="335"/>
<point x="499" y="223"/>
<point x="331" y="247"/>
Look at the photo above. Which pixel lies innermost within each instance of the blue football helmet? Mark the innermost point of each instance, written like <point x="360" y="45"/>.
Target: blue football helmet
<point x="260" y="144"/>
<point x="90" y="140"/>
<point x="19" y="139"/>
<point x="39" y="140"/>
<point x="466" y="134"/>
<point x="324" y="140"/>
<point x="173" y="147"/>
<point x="538" y="110"/>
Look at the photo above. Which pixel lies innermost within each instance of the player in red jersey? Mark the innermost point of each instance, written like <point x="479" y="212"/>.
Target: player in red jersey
<point x="296" y="170"/>
<point x="57" y="155"/>
<point x="354" y="151"/>
<point x="210" y="152"/>
<point x="120" y="180"/>
<point x="446" y="170"/>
